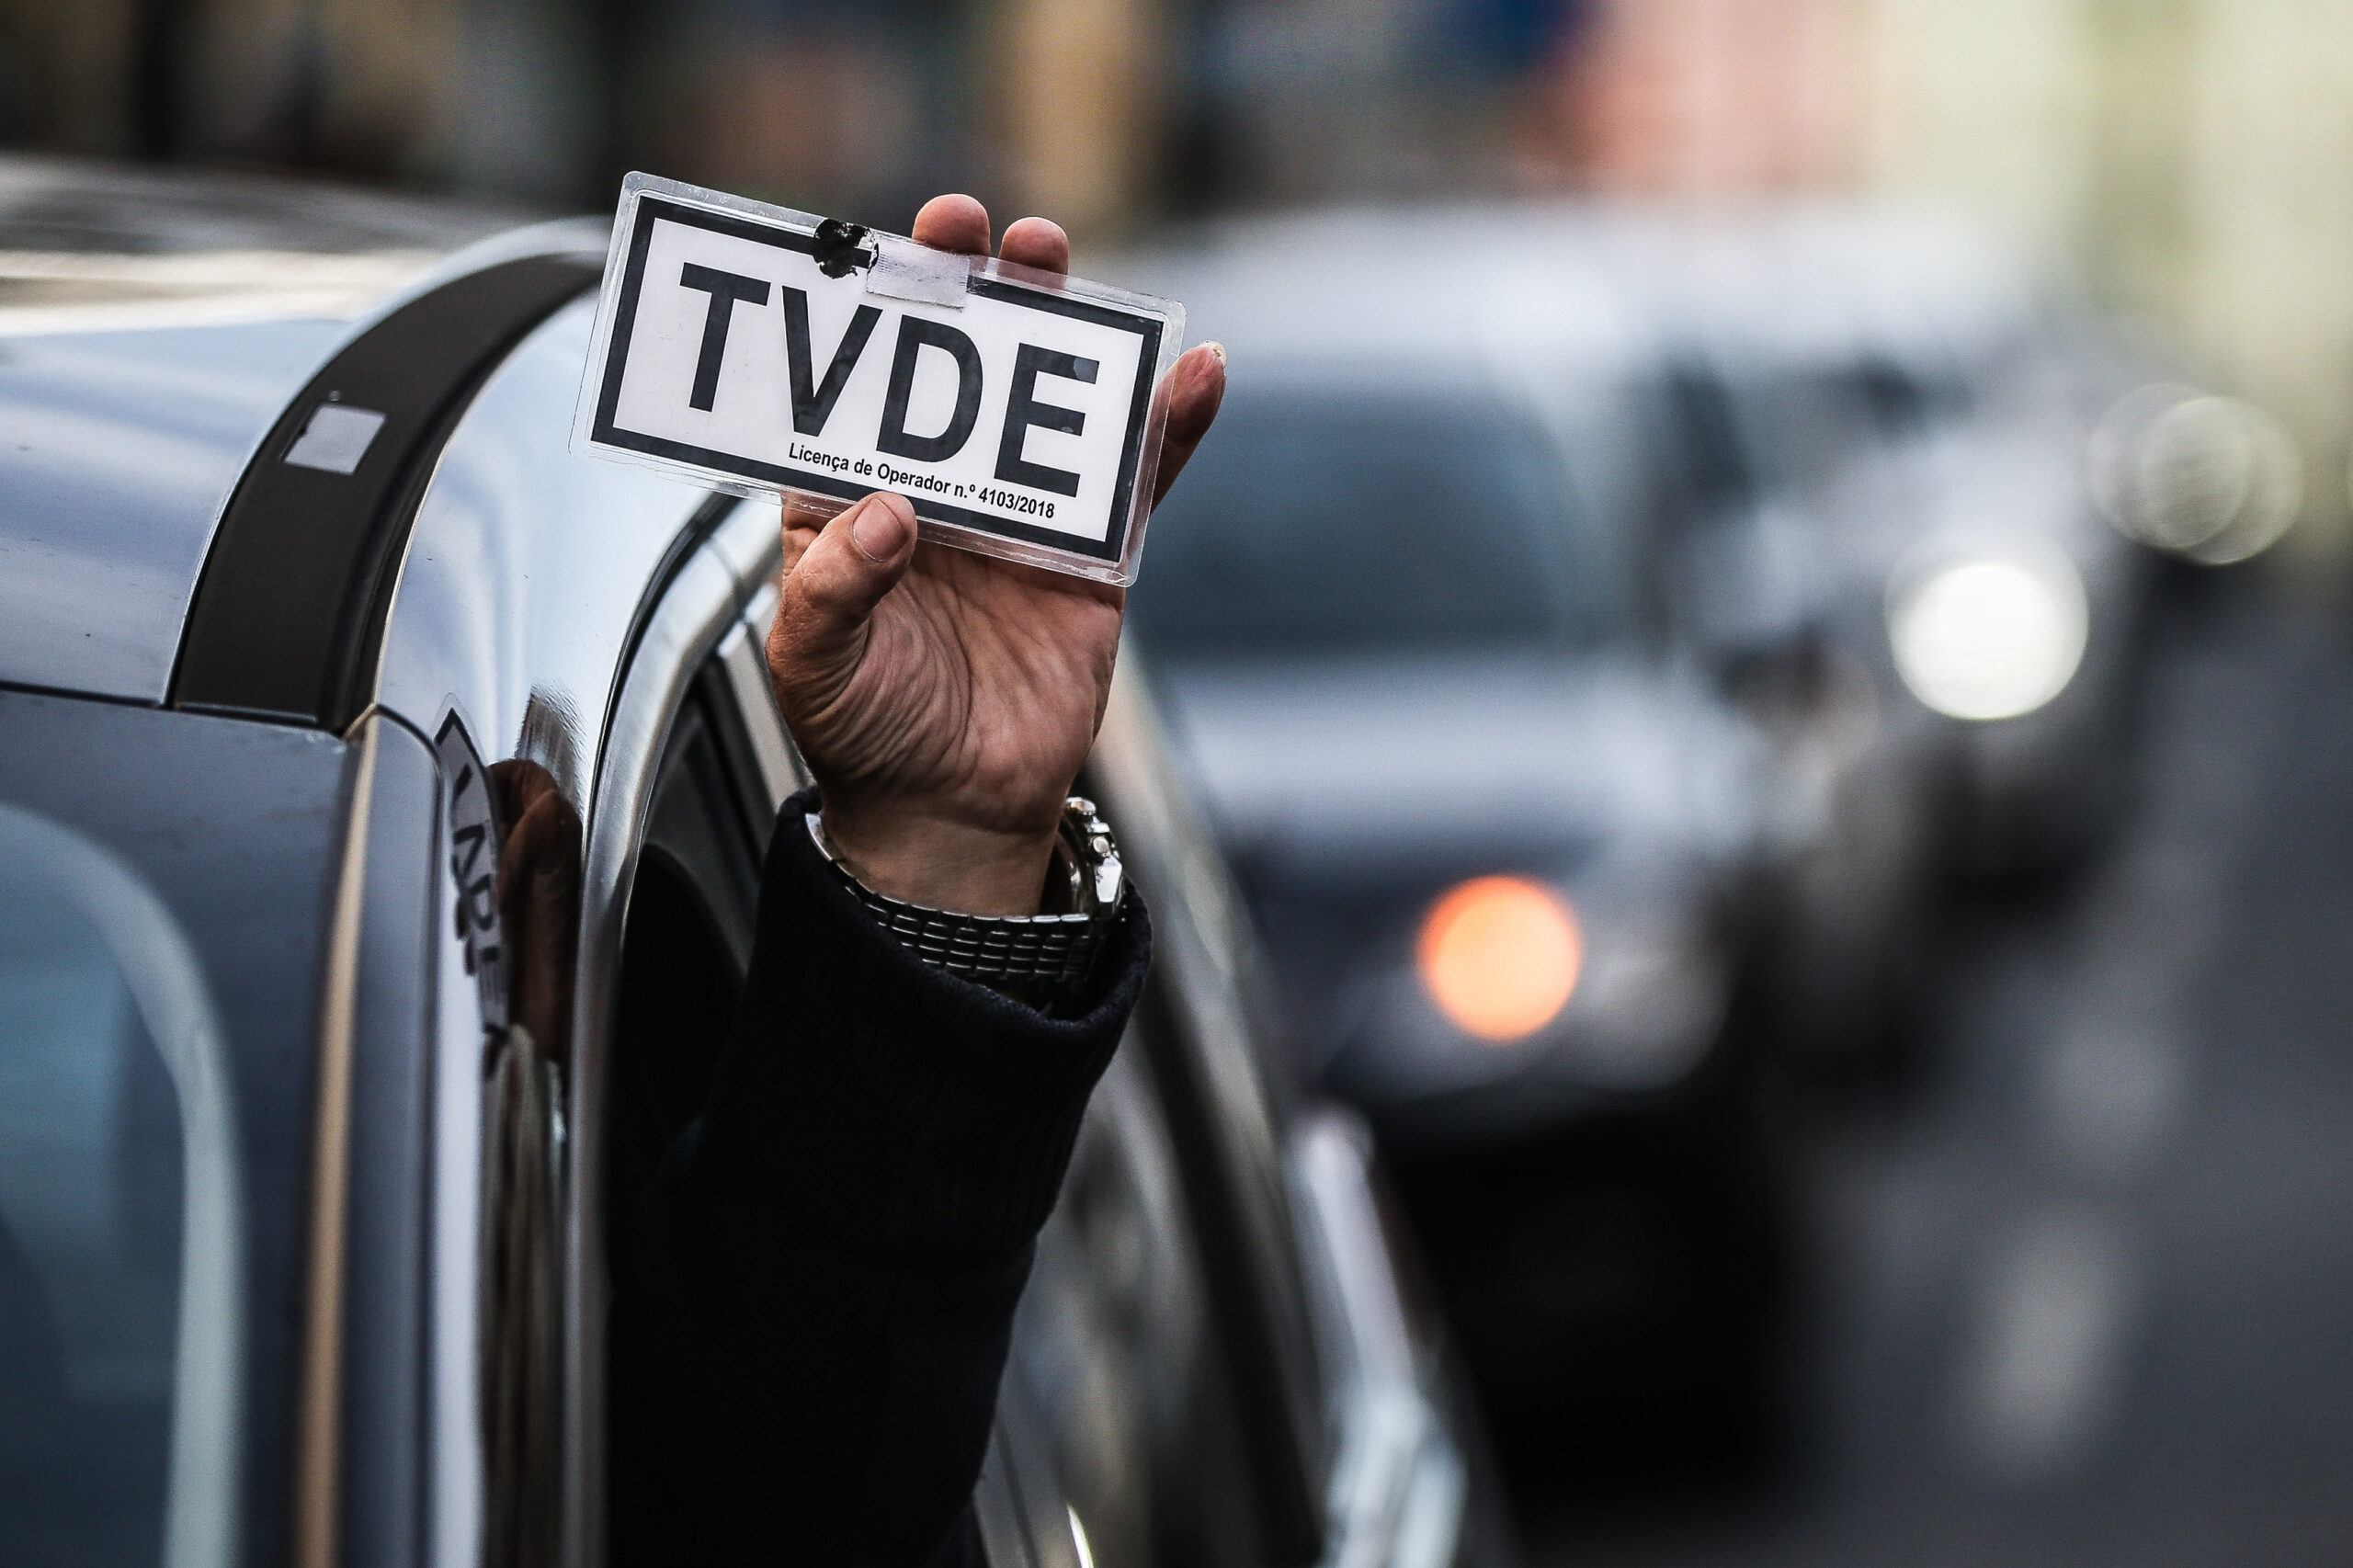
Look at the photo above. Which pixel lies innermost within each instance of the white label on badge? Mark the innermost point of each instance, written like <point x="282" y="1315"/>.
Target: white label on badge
<point x="1020" y="411"/>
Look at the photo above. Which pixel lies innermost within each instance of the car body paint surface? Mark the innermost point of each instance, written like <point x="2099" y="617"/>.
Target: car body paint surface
<point x="526" y="568"/>
<point x="117" y="451"/>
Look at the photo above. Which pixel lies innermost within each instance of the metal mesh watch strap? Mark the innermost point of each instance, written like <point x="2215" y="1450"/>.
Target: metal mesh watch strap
<point x="1050" y="949"/>
<point x="1026" y="955"/>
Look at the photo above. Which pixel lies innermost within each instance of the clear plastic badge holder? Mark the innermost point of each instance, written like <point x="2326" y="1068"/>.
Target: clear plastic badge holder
<point x="761" y="351"/>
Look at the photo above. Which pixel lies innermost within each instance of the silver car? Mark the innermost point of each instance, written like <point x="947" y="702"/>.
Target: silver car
<point x="309" y="1099"/>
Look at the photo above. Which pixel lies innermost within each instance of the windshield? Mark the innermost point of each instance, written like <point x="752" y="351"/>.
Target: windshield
<point x="92" y="1191"/>
<point x="1795" y="425"/>
<point x="1353" y="524"/>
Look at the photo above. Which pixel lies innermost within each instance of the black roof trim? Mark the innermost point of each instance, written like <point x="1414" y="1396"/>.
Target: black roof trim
<point x="287" y="619"/>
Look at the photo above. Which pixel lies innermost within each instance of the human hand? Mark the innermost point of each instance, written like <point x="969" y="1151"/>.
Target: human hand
<point x="945" y="701"/>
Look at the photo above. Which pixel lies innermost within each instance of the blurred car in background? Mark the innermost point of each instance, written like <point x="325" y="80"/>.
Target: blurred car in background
<point x="1874" y="525"/>
<point x="1504" y="845"/>
<point x="301" y="1238"/>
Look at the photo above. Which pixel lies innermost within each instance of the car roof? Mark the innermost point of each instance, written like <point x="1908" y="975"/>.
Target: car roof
<point x="1398" y="289"/>
<point x="1830" y="281"/>
<point x="1594" y="283"/>
<point x="154" y="326"/>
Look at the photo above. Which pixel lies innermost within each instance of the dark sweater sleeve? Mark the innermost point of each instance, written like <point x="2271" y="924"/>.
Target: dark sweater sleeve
<point x="814" y="1298"/>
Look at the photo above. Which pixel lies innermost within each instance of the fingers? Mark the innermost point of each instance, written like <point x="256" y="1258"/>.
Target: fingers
<point x="1196" y="387"/>
<point x="1036" y="242"/>
<point x="953" y="222"/>
<point x="1196" y="383"/>
<point x="961" y="224"/>
<point x="834" y="587"/>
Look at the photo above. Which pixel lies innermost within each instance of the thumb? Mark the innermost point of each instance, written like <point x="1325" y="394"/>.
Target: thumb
<point x="832" y="590"/>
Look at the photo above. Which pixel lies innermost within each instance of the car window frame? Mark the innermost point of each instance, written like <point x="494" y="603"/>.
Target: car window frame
<point x="704" y="635"/>
<point x="692" y="610"/>
<point x="369" y="1440"/>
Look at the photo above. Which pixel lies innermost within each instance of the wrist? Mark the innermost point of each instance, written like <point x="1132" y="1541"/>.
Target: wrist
<point x="941" y="864"/>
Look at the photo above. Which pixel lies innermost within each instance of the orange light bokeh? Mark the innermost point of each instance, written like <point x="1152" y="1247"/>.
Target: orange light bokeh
<point x="1500" y="956"/>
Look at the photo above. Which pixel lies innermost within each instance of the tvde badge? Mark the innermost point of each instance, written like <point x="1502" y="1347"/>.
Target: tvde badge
<point x="756" y="349"/>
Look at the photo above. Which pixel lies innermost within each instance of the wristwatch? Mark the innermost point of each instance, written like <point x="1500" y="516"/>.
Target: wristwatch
<point x="1029" y="957"/>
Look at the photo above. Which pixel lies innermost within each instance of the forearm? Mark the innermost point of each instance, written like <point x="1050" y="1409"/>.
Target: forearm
<point x="779" y="1397"/>
<point x="813" y="1302"/>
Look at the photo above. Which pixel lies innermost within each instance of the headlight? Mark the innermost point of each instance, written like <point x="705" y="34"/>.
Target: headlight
<point x="1500" y="956"/>
<point x="1990" y="638"/>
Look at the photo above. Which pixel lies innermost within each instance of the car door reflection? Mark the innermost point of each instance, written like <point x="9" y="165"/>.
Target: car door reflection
<point x="523" y="1165"/>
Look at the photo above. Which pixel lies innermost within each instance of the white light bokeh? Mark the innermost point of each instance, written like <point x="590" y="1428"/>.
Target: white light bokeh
<point x="2214" y="479"/>
<point x="1990" y="638"/>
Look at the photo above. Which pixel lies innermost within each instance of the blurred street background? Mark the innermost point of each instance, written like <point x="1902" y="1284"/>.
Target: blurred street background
<point x="1765" y="627"/>
<point x="2183" y="161"/>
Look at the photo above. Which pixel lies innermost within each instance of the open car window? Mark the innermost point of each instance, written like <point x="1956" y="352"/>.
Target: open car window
<point x="688" y="940"/>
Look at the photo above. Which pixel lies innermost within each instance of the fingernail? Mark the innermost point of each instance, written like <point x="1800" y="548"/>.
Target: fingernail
<point x="880" y="531"/>
<point x="1218" y="350"/>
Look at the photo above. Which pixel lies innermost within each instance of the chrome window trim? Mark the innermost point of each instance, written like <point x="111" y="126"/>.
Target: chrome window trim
<point x="1391" y="1481"/>
<point x="781" y="767"/>
<point x="704" y="603"/>
<point x="521" y="579"/>
<point x="1397" y="1482"/>
<point x="318" y="1421"/>
<point x="1023" y="1514"/>
<point x="743" y="657"/>
<point x="361" y="1418"/>
<point x="389" y="1049"/>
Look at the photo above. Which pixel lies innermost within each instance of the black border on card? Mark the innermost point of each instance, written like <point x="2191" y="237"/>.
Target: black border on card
<point x="1113" y="545"/>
